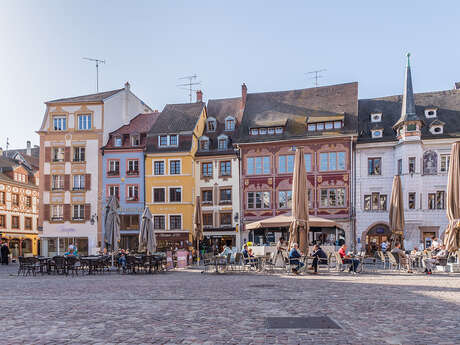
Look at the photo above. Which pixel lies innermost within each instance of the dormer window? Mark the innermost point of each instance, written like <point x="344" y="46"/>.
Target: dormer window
<point x="168" y="140"/>
<point x="271" y="131"/>
<point x="377" y="133"/>
<point x="118" y="141"/>
<point x="229" y="123"/>
<point x="430" y="113"/>
<point x="204" y="144"/>
<point x="437" y="127"/>
<point x="279" y="130"/>
<point x="135" y="140"/>
<point x="376" y="117"/>
<point x="328" y="125"/>
<point x="173" y="140"/>
<point x="262" y="131"/>
<point x="254" y="131"/>
<point x="222" y="143"/>
<point x="211" y="124"/>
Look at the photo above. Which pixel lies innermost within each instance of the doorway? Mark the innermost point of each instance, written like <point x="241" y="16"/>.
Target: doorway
<point x="375" y="236"/>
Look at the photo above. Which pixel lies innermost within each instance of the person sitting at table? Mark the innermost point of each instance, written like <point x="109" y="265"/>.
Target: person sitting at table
<point x="122" y="259"/>
<point x="318" y="254"/>
<point x="346" y="259"/>
<point x="226" y="251"/>
<point x="251" y="253"/>
<point x="431" y="263"/>
<point x="294" y="256"/>
<point x="245" y="253"/>
<point x="401" y="257"/>
<point x="71" y="251"/>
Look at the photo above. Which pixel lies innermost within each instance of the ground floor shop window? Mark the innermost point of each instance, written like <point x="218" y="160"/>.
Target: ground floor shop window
<point x="60" y="245"/>
<point x="129" y="241"/>
<point x="129" y="221"/>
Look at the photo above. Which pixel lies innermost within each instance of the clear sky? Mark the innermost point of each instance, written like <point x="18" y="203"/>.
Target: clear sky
<point x="270" y="45"/>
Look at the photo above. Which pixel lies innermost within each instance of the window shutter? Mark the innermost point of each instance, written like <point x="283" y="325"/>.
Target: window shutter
<point x="87" y="181"/>
<point x="87" y="212"/>
<point x="46" y="212"/>
<point x="47" y="154"/>
<point x="66" y="182"/>
<point x="67" y="154"/>
<point x="47" y="182"/>
<point x="66" y="212"/>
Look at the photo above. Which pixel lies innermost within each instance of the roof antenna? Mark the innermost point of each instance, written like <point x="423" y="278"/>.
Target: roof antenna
<point x="7" y="143"/>
<point x="317" y="75"/>
<point x="189" y="85"/>
<point x="97" y="61"/>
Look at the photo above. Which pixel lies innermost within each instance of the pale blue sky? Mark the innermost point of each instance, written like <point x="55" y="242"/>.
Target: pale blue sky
<point x="270" y="45"/>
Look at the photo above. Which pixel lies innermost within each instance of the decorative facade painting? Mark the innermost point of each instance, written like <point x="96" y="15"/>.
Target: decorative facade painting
<point x="430" y="163"/>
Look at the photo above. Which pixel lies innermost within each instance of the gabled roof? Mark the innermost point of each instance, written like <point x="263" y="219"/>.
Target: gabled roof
<point x="94" y="97"/>
<point x="294" y="107"/>
<point x="176" y="118"/>
<point x="448" y="111"/>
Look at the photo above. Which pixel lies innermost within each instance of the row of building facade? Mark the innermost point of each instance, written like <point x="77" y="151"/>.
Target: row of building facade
<point x="237" y="154"/>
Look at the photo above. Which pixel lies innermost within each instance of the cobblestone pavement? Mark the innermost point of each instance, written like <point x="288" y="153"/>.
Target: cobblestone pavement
<point x="186" y="307"/>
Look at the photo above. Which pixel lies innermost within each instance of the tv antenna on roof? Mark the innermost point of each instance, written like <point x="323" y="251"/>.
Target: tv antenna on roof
<point x="189" y="85"/>
<point x="97" y="61"/>
<point x="317" y="75"/>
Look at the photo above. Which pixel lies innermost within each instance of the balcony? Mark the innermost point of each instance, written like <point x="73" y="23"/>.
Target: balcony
<point x="132" y="172"/>
<point x="133" y="198"/>
<point x="78" y="189"/>
<point x="113" y="173"/>
<point x="57" y="219"/>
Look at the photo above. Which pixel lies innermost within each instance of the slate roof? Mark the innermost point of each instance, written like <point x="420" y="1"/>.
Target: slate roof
<point x="175" y="119"/>
<point x="94" y="97"/>
<point x="7" y="165"/>
<point x="295" y="106"/>
<point x="448" y="111"/>
<point x="221" y="109"/>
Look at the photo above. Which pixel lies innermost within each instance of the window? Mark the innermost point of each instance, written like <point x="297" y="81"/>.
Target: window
<point x="286" y="164"/>
<point x="226" y="219"/>
<point x="15" y="222"/>
<point x="329" y="125"/>
<point x="159" y="222"/>
<point x="57" y="212"/>
<point x="168" y="140"/>
<point x="159" y="195"/>
<point x="229" y="124"/>
<point x="330" y="161"/>
<point x="399" y="166"/>
<point x="2" y="198"/>
<point x="204" y="144"/>
<point x="285" y="199"/>
<point x="411" y="165"/>
<point x="223" y="143"/>
<point x="159" y="168"/>
<point x="132" y="193"/>
<point x="57" y="182"/>
<point x="206" y="169"/>
<point x="2" y="221"/>
<point x="258" y="165"/>
<point x="254" y="131"/>
<point x="311" y="127"/>
<point x="337" y="124"/>
<point x="28" y="201"/>
<point x="411" y="201"/>
<point x="133" y="167"/>
<point x="271" y="131"/>
<point x="262" y="131"/>
<point x="411" y="127"/>
<point x="114" y="167"/>
<point x="206" y="196"/>
<point x="258" y="200"/>
<point x="58" y="154"/>
<point x="59" y="123"/>
<point x="320" y="126"/>
<point x="114" y="191"/>
<point x="175" y="194"/>
<point x="78" y="154"/>
<point x="430" y="113"/>
<point x="376" y="117"/>
<point x="174" y="167"/>
<point x="15" y="199"/>
<point x="173" y="140"/>
<point x="307" y="157"/>
<point x="175" y="222"/>
<point x="225" y="196"/>
<point x="332" y="197"/>
<point x="84" y="122"/>
<point x="129" y="221"/>
<point x="163" y="140"/>
<point x="436" y="200"/>
<point x="208" y="220"/>
<point x="118" y="141"/>
<point x="377" y="133"/>
<point x="225" y="168"/>
<point x="279" y="130"/>
<point x="28" y="223"/>
<point x="135" y="140"/>
<point x="374" y="166"/>
<point x="78" y="212"/>
<point x="211" y="125"/>
<point x="78" y="182"/>
<point x="445" y="162"/>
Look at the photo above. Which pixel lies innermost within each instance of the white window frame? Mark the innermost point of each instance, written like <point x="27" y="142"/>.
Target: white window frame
<point x="84" y="122"/>
<point x="81" y="212"/>
<point x="433" y="129"/>
<point x="165" y="218"/>
<point x="61" y="121"/>
<point x="376" y="117"/>
<point x="180" y="166"/>
<point x="79" y="185"/>
<point x="375" y="135"/>
<point x="447" y="157"/>
<point x="168" y="140"/>
<point x="61" y="151"/>
<point x="133" y="137"/>
<point x="181" y="221"/>
<point x="57" y="215"/>
<point x="58" y="180"/>
<point x="229" y="118"/>
<point x="432" y="116"/>
<point x="222" y="137"/>
<point x="211" y="119"/>
<point x="204" y="139"/>
<point x="118" y="141"/>
<point x="128" y="192"/>
<point x="164" y="167"/>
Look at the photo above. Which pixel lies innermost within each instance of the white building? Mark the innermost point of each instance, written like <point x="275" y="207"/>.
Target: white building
<point x="71" y="135"/>
<point x="409" y="135"/>
<point x="217" y="173"/>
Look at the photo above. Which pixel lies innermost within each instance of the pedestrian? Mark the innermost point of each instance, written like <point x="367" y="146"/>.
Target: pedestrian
<point x="5" y="252"/>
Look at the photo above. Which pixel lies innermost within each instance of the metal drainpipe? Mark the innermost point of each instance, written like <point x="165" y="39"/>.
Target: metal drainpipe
<point x="353" y="203"/>
<point x="240" y="191"/>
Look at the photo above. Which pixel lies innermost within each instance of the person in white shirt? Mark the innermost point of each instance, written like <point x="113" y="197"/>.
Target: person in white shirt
<point x="431" y="263"/>
<point x="435" y="244"/>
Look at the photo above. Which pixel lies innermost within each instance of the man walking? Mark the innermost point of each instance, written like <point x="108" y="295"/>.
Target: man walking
<point x="4" y="252"/>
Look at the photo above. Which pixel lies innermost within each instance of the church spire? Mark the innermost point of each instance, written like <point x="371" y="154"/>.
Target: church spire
<point x="408" y="103"/>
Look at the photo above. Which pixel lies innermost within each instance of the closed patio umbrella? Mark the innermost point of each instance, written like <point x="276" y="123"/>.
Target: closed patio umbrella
<point x="112" y="224"/>
<point x="198" y="226"/>
<point x="147" y="239"/>
<point x="396" y="215"/>
<point x="298" y="231"/>
<point x="453" y="200"/>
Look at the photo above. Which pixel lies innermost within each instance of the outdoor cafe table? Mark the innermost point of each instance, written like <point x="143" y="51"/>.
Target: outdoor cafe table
<point x="92" y="262"/>
<point x="44" y="263"/>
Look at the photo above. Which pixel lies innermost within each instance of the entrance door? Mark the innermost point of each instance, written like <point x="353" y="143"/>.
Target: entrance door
<point x="428" y="238"/>
<point x="375" y="237"/>
<point x="14" y="248"/>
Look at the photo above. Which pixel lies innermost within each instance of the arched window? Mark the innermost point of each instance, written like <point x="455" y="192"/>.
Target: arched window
<point x="211" y="124"/>
<point x="204" y="143"/>
<point x="229" y="123"/>
<point x="222" y="141"/>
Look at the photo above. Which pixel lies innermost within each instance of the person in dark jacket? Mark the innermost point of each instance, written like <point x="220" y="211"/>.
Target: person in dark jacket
<point x="4" y="251"/>
<point x="294" y="256"/>
<point x="318" y="254"/>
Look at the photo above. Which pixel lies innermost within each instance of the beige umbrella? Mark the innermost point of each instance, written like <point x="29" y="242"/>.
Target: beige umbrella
<point x="298" y="231"/>
<point x="147" y="239"/>
<point x="453" y="200"/>
<point x="285" y="220"/>
<point x="198" y="226"/>
<point x="397" y="210"/>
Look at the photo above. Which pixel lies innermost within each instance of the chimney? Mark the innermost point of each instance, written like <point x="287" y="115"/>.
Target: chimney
<point x="125" y="103"/>
<point x="244" y="93"/>
<point x="127" y="86"/>
<point x="457" y="85"/>
<point x="199" y="96"/>
<point x="29" y="148"/>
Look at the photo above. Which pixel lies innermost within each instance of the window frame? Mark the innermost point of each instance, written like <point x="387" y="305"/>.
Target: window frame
<point x="132" y="172"/>
<point x="288" y="197"/>
<point x="181" y="221"/>
<point x="207" y="169"/>
<point x="164" y="195"/>
<point x="229" y="119"/>
<point x="113" y="186"/>
<point x="337" y="154"/>
<point x="345" y="199"/>
<point x="373" y="159"/>
<point x="159" y="216"/>
<point x="116" y="172"/>
<point x="174" y="161"/>
<point x="80" y="211"/>
<point x="154" y="168"/>
<point x="79" y="177"/>
<point x="223" y="191"/>
<point x="88" y="121"/>
<point x="254" y="165"/>
<point x="53" y="155"/>
<point x="169" y="194"/>
<point x="64" y="122"/>
<point x="225" y="172"/>
<point x="262" y="195"/>
<point x="135" y="188"/>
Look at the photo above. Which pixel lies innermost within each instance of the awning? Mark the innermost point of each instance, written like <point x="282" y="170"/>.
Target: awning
<point x="285" y="221"/>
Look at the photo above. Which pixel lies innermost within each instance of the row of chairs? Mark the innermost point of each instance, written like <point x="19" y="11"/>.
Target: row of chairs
<point x="146" y="263"/>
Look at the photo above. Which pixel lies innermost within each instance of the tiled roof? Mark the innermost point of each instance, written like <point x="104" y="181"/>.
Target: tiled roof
<point x="446" y="102"/>
<point x="295" y="106"/>
<point x="94" y="97"/>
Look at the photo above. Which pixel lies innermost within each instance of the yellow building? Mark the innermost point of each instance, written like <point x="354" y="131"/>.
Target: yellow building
<point x="169" y="171"/>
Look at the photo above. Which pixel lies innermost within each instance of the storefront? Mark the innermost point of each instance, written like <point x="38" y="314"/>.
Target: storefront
<point x="375" y="236"/>
<point x="214" y="241"/>
<point x="172" y="240"/>
<point x="21" y="244"/>
<point x="52" y="246"/>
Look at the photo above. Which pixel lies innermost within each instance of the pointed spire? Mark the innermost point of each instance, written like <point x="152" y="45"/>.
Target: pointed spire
<point x="408" y="102"/>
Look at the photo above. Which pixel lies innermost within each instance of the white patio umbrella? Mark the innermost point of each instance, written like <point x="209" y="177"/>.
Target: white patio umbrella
<point x="147" y="238"/>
